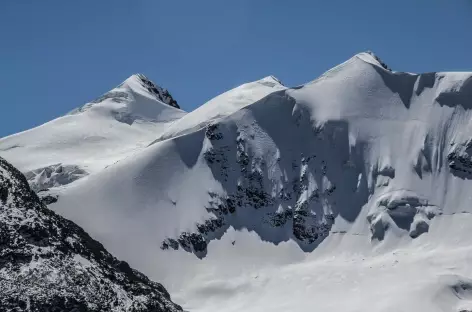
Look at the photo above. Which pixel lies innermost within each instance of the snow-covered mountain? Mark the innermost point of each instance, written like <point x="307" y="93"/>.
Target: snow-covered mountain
<point x="348" y="193"/>
<point x="112" y="127"/>
<point x="115" y="125"/>
<point x="48" y="263"/>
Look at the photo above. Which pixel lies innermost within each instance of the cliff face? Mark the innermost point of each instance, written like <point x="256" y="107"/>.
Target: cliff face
<point x="48" y="263"/>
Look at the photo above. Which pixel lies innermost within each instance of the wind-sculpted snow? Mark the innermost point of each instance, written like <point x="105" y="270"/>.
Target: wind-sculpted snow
<point x="48" y="263"/>
<point x="457" y="90"/>
<point x="405" y="210"/>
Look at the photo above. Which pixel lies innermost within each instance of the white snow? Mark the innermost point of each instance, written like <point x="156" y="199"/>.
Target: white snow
<point x="224" y="105"/>
<point x="382" y="138"/>
<point x="95" y="135"/>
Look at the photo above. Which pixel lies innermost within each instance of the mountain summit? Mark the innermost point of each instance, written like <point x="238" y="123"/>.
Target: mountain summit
<point x="94" y="136"/>
<point x="131" y="92"/>
<point x="138" y="82"/>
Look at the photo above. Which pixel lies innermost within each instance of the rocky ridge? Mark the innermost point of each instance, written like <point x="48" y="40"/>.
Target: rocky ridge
<point x="48" y="263"/>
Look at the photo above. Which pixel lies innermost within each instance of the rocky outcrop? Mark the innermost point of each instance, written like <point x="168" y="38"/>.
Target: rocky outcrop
<point x="460" y="160"/>
<point x="380" y="61"/>
<point x="53" y="176"/>
<point x="161" y="94"/>
<point x="289" y="210"/>
<point x="48" y="263"/>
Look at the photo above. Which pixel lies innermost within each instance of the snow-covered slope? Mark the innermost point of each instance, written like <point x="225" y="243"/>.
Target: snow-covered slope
<point x="48" y="263"/>
<point x="117" y="124"/>
<point x="223" y="105"/>
<point x="349" y="193"/>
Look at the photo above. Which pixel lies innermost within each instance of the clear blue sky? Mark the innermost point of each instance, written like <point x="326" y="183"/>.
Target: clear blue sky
<point x="57" y="55"/>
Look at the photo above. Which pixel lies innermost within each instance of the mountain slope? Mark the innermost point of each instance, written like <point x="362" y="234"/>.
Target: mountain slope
<point x="48" y="263"/>
<point x="347" y="193"/>
<point x="223" y="105"/>
<point x="346" y="166"/>
<point x="116" y="125"/>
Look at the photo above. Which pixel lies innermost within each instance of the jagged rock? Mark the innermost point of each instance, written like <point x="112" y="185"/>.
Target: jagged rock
<point x="54" y="175"/>
<point x="460" y="160"/>
<point x="48" y="263"/>
<point x="212" y="132"/>
<point x="192" y="242"/>
<point x="380" y="61"/>
<point x="161" y="94"/>
<point x="170" y="243"/>
<point x="307" y="228"/>
<point x="48" y="199"/>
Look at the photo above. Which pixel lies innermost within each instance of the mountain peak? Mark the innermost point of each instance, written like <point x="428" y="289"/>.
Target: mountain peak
<point x="270" y="81"/>
<point x="138" y="81"/>
<point x="135" y="86"/>
<point x="370" y="57"/>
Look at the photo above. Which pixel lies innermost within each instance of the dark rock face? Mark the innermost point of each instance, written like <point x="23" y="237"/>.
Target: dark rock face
<point x="294" y="209"/>
<point x="380" y="61"/>
<point x="161" y="94"/>
<point x="460" y="160"/>
<point x="212" y="133"/>
<point x="48" y="263"/>
<point x="47" y="199"/>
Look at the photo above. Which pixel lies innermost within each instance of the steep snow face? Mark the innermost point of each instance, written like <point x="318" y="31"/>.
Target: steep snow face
<point x="98" y="134"/>
<point x="48" y="263"/>
<point x="352" y="186"/>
